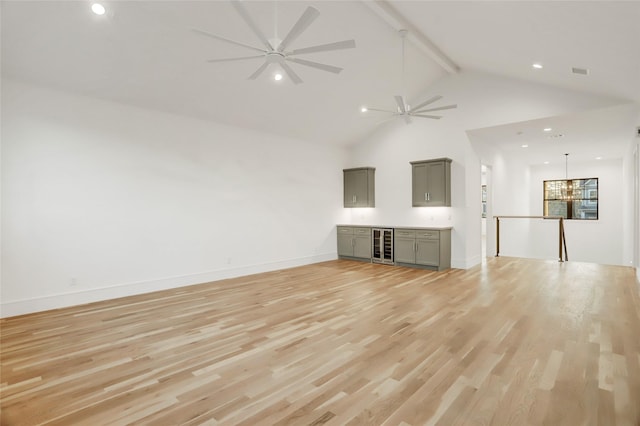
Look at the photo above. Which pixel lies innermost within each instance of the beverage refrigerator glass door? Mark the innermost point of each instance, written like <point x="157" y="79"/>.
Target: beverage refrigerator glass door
<point x="382" y="245"/>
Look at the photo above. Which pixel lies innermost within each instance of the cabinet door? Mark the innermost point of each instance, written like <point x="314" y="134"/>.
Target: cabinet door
<point x="350" y="181"/>
<point x="419" y="184"/>
<point x="362" y="246"/>
<point x="359" y="187"/>
<point x="428" y="252"/>
<point x="404" y="250"/>
<point x="345" y="244"/>
<point x="377" y="244"/>
<point x="436" y="184"/>
<point x="386" y="239"/>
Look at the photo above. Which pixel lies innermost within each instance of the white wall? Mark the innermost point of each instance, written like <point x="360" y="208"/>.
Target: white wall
<point x="518" y="191"/>
<point x="630" y="198"/>
<point x="511" y="183"/>
<point x="390" y="152"/>
<point x="597" y="241"/>
<point x="103" y="200"/>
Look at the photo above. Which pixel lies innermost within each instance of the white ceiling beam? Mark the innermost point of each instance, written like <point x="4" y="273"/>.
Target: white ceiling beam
<point x="397" y="21"/>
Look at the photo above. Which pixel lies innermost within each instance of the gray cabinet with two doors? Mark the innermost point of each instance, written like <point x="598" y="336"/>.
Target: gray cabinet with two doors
<point x="425" y="248"/>
<point x="354" y="242"/>
<point x="431" y="183"/>
<point x="359" y="187"/>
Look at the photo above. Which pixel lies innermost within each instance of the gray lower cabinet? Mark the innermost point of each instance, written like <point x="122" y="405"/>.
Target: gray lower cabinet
<point x="431" y="183"/>
<point x="404" y="246"/>
<point x="359" y="187"/>
<point x="427" y="248"/>
<point x="354" y="242"/>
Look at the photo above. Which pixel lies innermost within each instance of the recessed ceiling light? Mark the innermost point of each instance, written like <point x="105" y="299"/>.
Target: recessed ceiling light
<point x="364" y="109"/>
<point x="598" y="158"/>
<point x="537" y="66"/>
<point x="547" y="129"/>
<point x="277" y="76"/>
<point x="525" y="146"/>
<point x="546" y="162"/>
<point x="98" y="9"/>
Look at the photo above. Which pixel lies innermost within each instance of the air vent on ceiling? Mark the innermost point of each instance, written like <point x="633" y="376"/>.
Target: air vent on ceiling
<point x="581" y="71"/>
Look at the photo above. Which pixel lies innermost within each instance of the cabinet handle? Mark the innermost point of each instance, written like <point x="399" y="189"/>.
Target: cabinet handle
<point x="426" y="196"/>
<point x="355" y="198"/>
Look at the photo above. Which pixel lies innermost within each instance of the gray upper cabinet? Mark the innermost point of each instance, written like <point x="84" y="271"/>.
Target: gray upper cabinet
<point x="359" y="187"/>
<point x="431" y="183"/>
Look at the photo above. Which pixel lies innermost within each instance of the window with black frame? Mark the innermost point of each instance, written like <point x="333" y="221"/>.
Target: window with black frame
<point x="571" y="198"/>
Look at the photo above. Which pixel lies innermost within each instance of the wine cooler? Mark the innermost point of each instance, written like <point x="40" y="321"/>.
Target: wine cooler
<point x="382" y="240"/>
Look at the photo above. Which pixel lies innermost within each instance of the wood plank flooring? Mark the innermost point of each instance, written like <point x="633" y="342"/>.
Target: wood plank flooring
<point x="511" y="342"/>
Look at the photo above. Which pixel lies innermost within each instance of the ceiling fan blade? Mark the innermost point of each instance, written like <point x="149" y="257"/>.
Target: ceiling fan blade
<point x="438" y="109"/>
<point x="400" y="103"/>
<point x="307" y="18"/>
<point x="382" y="110"/>
<point x="292" y="75"/>
<point x="259" y="71"/>
<point x="323" y="67"/>
<point x="427" y="102"/>
<point x="243" y="13"/>
<point x="204" y="33"/>
<point x="435" y="117"/>
<point x="235" y="59"/>
<point x="345" y="44"/>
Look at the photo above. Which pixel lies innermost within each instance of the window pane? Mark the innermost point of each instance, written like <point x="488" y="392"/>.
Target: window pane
<point x="556" y="208"/>
<point x="585" y="210"/>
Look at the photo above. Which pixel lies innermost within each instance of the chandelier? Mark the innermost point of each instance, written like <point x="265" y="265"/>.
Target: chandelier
<point x="567" y="191"/>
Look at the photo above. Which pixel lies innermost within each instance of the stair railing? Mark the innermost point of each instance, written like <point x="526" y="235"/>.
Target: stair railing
<point x="562" y="240"/>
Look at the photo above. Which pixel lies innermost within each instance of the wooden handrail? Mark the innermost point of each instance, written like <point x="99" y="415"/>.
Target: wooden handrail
<point x="562" y="240"/>
<point x="529" y="217"/>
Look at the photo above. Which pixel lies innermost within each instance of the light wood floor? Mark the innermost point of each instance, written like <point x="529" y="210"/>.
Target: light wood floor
<point x="340" y="343"/>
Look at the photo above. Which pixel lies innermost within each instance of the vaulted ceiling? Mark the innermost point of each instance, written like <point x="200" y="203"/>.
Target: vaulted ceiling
<point x="144" y="53"/>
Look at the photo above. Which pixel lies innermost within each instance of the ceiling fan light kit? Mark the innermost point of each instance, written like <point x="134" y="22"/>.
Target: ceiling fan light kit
<point x="275" y="51"/>
<point x="403" y="109"/>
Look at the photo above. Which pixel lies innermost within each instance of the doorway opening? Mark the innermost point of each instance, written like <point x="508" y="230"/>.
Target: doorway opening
<point x="487" y="227"/>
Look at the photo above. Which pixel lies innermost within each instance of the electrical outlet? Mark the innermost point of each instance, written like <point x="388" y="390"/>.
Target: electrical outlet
<point x="228" y="261"/>
<point x="73" y="282"/>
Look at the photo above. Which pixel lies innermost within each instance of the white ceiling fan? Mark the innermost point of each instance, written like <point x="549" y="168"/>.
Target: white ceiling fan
<point x="275" y="51"/>
<point x="403" y="108"/>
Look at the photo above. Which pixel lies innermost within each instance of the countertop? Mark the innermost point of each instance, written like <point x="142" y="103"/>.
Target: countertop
<point x="438" y="228"/>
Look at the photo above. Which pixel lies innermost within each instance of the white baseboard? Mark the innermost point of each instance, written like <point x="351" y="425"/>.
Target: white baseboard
<point x="466" y="263"/>
<point x="45" y="303"/>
